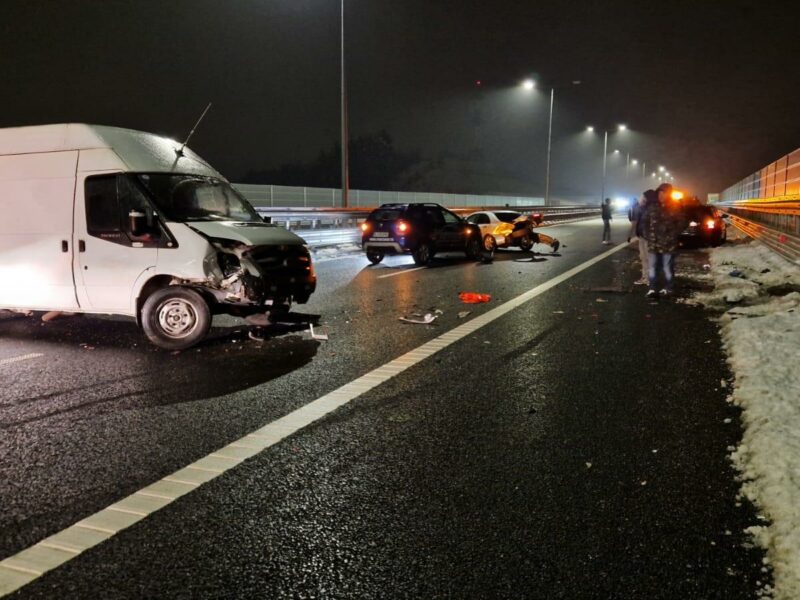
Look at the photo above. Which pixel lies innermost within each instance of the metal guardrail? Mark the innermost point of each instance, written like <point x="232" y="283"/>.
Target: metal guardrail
<point x="316" y="218"/>
<point x="335" y="226"/>
<point x="773" y="221"/>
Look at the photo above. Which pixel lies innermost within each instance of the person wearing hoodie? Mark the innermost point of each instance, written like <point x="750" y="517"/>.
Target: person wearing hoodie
<point x="662" y="223"/>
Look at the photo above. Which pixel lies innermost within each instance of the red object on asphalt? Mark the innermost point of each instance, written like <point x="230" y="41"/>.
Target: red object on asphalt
<point x="474" y="298"/>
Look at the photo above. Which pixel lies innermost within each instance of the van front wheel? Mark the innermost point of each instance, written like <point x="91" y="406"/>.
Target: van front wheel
<point x="175" y="318"/>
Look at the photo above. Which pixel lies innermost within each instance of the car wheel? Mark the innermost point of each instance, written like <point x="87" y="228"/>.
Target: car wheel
<point x="473" y="249"/>
<point x="175" y="318"/>
<point x="526" y="243"/>
<point x="422" y="255"/>
<point x="375" y="256"/>
<point x="489" y="243"/>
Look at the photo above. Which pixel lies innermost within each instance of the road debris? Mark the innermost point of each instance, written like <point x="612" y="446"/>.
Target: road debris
<point x="463" y="313"/>
<point x="426" y="320"/>
<point x="255" y="336"/>
<point x="323" y="337"/>
<point x="474" y="297"/>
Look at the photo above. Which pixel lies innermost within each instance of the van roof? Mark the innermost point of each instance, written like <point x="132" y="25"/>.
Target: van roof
<point x="139" y="150"/>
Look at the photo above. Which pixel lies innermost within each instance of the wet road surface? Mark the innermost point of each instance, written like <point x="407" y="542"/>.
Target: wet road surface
<point x="574" y="447"/>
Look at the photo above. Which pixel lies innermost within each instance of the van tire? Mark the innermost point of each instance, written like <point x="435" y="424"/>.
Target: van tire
<point x="175" y="318"/>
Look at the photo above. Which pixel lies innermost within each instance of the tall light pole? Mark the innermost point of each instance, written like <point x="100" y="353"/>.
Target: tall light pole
<point x="549" y="141"/>
<point x="605" y="155"/>
<point x="345" y="133"/>
<point x="529" y="84"/>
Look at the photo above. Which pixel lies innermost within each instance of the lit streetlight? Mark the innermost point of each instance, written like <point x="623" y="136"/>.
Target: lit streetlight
<point x="590" y="129"/>
<point x="528" y="85"/>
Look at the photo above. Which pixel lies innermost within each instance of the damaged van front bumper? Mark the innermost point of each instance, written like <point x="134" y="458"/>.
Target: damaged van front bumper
<point x="246" y="279"/>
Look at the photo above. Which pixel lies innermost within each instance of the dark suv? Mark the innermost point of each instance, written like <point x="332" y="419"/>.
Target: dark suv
<point x="705" y="226"/>
<point x="419" y="229"/>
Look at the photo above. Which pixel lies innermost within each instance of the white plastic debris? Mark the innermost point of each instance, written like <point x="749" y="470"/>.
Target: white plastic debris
<point x="463" y="313"/>
<point x="323" y="337"/>
<point x="426" y="320"/>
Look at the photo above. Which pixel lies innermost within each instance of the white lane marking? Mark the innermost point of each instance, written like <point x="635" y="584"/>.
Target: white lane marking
<point x="16" y="359"/>
<point x="16" y="571"/>
<point x="400" y="272"/>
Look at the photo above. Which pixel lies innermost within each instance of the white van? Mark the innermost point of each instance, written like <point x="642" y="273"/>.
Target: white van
<point x="106" y="220"/>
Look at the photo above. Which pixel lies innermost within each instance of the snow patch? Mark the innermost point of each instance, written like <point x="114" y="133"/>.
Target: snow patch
<point x="761" y="335"/>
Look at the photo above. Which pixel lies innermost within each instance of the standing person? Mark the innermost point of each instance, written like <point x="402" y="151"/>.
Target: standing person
<point x="637" y="231"/>
<point x="662" y="223"/>
<point x="605" y="208"/>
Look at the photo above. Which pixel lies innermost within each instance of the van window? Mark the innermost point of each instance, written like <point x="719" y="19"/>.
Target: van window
<point x="118" y="211"/>
<point x="102" y="205"/>
<point x="185" y="198"/>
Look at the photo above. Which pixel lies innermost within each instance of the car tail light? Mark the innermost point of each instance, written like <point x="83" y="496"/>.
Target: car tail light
<point x="710" y="224"/>
<point x="403" y="227"/>
<point x="365" y="227"/>
<point x="467" y="231"/>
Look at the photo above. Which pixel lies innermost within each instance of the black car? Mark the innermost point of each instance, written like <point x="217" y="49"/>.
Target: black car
<point x="419" y="229"/>
<point x="705" y="226"/>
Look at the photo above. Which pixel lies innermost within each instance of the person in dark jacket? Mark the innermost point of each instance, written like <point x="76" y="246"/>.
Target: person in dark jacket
<point x="637" y="232"/>
<point x="606" y="214"/>
<point x="662" y="223"/>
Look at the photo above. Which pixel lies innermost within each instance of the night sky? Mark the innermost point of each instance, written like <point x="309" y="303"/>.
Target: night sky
<point x="709" y="89"/>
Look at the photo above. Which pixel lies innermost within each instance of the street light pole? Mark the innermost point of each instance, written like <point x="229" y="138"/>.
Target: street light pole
<point x="627" y="165"/>
<point x="345" y="134"/>
<point x="605" y="152"/>
<point x="549" y="141"/>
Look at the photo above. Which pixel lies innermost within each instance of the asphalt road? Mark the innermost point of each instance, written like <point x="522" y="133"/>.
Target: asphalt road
<point x="573" y="448"/>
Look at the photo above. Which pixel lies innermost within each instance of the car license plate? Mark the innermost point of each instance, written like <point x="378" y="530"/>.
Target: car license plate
<point x="380" y="234"/>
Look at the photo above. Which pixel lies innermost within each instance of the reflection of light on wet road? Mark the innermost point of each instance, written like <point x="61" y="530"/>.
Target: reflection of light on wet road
<point x="400" y="272"/>
<point x="29" y="564"/>
<point x="16" y="359"/>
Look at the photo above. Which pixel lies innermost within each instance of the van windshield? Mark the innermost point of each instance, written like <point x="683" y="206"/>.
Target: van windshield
<point x="184" y="198"/>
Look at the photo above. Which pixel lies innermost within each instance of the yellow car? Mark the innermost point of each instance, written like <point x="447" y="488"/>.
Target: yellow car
<point x="507" y="228"/>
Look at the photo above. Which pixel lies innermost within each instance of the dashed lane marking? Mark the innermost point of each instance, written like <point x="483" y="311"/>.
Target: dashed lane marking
<point x="31" y="563"/>
<point x="400" y="272"/>
<point x="16" y="359"/>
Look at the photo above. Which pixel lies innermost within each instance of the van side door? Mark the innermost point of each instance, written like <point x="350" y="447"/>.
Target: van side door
<point x="117" y="237"/>
<point x="37" y="197"/>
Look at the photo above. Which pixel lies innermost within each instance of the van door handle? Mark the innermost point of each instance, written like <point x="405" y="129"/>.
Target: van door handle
<point x="64" y="246"/>
<point x="81" y="246"/>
